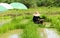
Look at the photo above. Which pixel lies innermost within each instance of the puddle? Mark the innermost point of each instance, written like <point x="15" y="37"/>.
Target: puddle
<point x="14" y="36"/>
<point x="51" y="33"/>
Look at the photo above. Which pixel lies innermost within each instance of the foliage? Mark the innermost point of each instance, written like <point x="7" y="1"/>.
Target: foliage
<point x="34" y="3"/>
<point x="25" y="21"/>
<point x="30" y="31"/>
<point x="55" y="22"/>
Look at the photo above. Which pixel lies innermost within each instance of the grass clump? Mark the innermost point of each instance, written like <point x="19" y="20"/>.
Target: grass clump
<point x="30" y="31"/>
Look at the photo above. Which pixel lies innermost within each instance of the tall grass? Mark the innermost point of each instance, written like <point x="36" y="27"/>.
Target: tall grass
<point x="22" y="22"/>
<point x="30" y="31"/>
<point x="14" y="24"/>
<point x="25" y="21"/>
<point x="43" y="10"/>
<point x="55" y="22"/>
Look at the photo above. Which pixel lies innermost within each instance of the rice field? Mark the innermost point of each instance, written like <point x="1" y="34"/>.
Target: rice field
<point x="24" y="21"/>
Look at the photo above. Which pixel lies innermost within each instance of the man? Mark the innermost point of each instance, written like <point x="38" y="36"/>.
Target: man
<point x="37" y="19"/>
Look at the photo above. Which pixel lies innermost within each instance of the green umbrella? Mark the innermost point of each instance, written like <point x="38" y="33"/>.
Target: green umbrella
<point x="18" y="6"/>
<point x="3" y="8"/>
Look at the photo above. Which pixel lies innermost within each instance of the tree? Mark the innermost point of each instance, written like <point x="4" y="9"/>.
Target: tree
<point x="56" y="2"/>
<point x="29" y="3"/>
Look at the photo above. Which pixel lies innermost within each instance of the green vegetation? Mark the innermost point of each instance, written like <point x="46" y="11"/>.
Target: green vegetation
<point x="21" y="22"/>
<point x="55" y="22"/>
<point x="30" y="31"/>
<point x="34" y="3"/>
<point x="42" y="10"/>
<point x="24" y="21"/>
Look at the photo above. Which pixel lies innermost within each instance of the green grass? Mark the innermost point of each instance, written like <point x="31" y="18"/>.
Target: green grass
<point x="55" y="21"/>
<point x="21" y="22"/>
<point x="30" y="31"/>
<point x="43" y="10"/>
<point x="4" y="18"/>
<point x="25" y="21"/>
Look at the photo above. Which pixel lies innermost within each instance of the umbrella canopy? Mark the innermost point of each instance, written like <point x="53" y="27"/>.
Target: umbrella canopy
<point x="2" y="8"/>
<point x="18" y="6"/>
<point x="8" y="6"/>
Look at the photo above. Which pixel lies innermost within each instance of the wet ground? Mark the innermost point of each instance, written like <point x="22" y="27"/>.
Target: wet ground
<point x="12" y="34"/>
<point x="44" y="32"/>
<point x="48" y="33"/>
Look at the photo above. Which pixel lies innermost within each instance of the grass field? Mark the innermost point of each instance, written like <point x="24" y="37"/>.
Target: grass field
<point x="32" y="10"/>
<point x="24" y="20"/>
